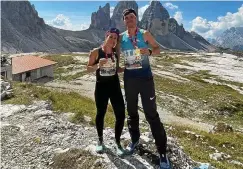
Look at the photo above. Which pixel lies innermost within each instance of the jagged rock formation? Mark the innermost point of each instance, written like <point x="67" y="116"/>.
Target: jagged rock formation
<point x="228" y="39"/>
<point x="101" y="18"/>
<point x="24" y="31"/>
<point x="167" y="31"/>
<point x="154" y="19"/>
<point x="116" y="19"/>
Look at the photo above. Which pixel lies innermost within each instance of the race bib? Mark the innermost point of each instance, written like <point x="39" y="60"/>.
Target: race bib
<point x="108" y="69"/>
<point x="132" y="59"/>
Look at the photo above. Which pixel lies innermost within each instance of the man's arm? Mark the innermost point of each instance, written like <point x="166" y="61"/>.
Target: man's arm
<point x="150" y="39"/>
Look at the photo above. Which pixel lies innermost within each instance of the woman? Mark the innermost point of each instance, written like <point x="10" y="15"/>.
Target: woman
<point x="105" y="62"/>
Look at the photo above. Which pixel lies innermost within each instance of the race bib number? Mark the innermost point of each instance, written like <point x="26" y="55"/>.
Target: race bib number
<point x="108" y="69"/>
<point x="133" y="59"/>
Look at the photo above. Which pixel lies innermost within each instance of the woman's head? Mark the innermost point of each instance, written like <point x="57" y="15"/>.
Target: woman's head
<point x="111" y="37"/>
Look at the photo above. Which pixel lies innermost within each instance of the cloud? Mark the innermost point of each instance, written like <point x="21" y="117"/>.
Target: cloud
<point x="84" y="26"/>
<point x="178" y="17"/>
<point x="63" y="22"/>
<point x="141" y="11"/>
<point x="111" y="10"/>
<point x="60" y="20"/>
<point x="170" y="5"/>
<point x="212" y="29"/>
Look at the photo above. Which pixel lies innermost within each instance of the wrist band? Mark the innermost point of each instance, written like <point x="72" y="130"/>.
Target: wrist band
<point x="150" y="52"/>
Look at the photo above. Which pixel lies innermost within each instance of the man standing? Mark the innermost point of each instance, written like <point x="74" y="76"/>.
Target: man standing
<point x="138" y="78"/>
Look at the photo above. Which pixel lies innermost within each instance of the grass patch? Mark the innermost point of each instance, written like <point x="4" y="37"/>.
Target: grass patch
<point x="217" y="97"/>
<point x="72" y="77"/>
<point x="199" y="150"/>
<point x="61" y="60"/>
<point x="199" y="76"/>
<point x="166" y="60"/>
<point x="61" y="102"/>
<point x="229" y="82"/>
<point x="75" y="159"/>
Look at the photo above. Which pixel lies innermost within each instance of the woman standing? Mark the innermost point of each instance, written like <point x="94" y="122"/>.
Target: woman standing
<point x="105" y="62"/>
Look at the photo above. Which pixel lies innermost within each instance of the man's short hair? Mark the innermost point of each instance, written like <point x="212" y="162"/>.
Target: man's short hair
<point x="128" y="11"/>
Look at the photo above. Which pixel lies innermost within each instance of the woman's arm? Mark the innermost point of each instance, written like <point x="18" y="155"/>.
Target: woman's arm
<point x="91" y="66"/>
<point x="118" y="51"/>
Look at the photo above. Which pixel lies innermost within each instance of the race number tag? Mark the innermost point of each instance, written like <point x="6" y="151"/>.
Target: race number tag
<point x="108" y="69"/>
<point x="132" y="59"/>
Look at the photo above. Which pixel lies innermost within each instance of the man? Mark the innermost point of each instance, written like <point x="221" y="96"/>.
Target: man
<point x="138" y="78"/>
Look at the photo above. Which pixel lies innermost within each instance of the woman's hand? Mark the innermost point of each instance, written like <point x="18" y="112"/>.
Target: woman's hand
<point x="102" y="61"/>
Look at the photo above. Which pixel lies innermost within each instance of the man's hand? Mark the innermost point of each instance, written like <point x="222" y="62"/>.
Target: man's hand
<point x="144" y="51"/>
<point x="120" y="69"/>
<point x="150" y="39"/>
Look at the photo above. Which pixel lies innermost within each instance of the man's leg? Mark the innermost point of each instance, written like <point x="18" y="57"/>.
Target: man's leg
<point x="148" y="97"/>
<point x="131" y="93"/>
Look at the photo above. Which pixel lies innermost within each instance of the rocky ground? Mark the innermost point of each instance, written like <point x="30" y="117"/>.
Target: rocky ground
<point x="35" y="137"/>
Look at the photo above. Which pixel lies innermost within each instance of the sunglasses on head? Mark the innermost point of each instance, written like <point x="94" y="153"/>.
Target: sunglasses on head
<point x="113" y="30"/>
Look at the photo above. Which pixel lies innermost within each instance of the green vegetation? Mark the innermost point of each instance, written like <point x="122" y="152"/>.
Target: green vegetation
<point x="64" y="60"/>
<point x="198" y="148"/>
<point x="75" y="159"/>
<point x="221" y="98"/>
<point x="61" y="102"/>
<point x="72" y="77"/>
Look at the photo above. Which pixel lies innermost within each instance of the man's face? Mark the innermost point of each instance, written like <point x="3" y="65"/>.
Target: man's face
<point x="130" y="20"/>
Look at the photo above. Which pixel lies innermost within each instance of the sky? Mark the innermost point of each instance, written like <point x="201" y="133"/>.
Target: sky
<point x="208" y="18"/>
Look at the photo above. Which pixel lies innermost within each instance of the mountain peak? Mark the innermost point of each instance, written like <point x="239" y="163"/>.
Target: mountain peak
<point x="101" y="18"/>
<point x="227" y="38"/>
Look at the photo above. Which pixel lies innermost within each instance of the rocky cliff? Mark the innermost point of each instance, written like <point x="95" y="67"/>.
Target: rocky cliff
<point x="101" y="18"/>
<point x="116" y="19"/>
<point x="24" y="31"/>
<point x="228" y="39"/>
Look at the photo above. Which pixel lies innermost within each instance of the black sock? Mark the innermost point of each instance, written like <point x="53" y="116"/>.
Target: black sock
<point x="101" y="139"/>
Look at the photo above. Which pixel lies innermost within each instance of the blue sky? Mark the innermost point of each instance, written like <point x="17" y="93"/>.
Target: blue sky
<point x="208" y="18"/>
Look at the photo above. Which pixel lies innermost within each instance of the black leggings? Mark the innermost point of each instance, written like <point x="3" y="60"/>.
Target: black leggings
<point x="103" y="92"/>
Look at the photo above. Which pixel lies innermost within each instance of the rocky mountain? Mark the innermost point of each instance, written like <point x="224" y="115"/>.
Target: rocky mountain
<point x="228" y="39"/>
<point x="24" y="31"/>
<point x="101" y="18"/>
<point x="168" y="32"/>
<point x="116" y="19"/>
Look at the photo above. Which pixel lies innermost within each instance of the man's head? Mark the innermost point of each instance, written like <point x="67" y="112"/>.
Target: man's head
<point x="130" y="18"/>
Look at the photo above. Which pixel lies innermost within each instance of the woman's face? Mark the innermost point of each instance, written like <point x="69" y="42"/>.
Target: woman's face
<point x="111" y="39"/>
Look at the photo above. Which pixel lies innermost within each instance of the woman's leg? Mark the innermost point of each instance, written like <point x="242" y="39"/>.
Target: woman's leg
<point x="101" y="100"/>
<point x="118" y="105"/>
